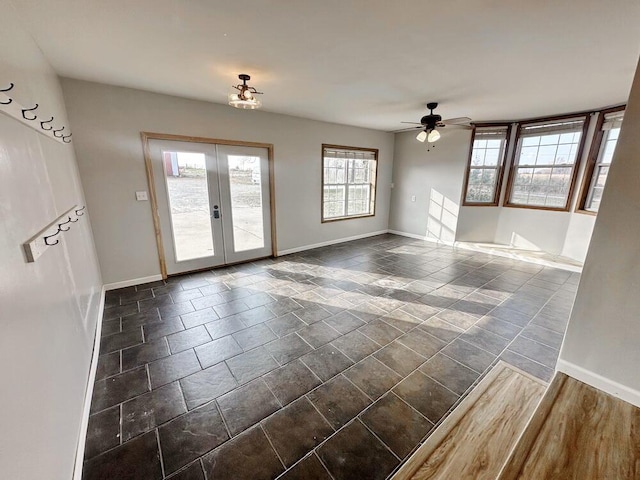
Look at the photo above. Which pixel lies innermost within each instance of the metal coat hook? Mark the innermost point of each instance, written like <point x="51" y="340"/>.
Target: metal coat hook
<point x="24" y="110"/>
<point x="47" y="122"/>
<point x="80" y="210"/>
<point x="55" y="133"/>
<point x="6" y="90"/>
<point x="73" y="221"/>
<point x="64" y="139"/>
<point x="46" y="239"/>
<point x="64" y="223"/>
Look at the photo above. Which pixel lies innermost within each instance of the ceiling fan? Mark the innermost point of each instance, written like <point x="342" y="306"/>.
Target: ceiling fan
<point x="429" y="124"/>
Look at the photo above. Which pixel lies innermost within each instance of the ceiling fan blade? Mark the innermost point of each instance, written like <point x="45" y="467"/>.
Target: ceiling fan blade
<point x="405" y="129"/>
<point x="457" y="121"/>
<point x="412" y="123"/>
<point x="456" y="126"/>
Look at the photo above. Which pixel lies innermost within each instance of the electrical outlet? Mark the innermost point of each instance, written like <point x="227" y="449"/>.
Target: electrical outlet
<point x="413" y="198"/>
<point x="142" y="196"/>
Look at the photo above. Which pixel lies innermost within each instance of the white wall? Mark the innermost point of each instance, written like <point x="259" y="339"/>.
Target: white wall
<point x="435" y="177"/>
<point x="478" y="224"/>
<point x="532" y="229"/>
<point x="579" y="231"/>
<point x="107" y="122"/>
<point x="48" y="309"/>
<point x="602" y="344"/>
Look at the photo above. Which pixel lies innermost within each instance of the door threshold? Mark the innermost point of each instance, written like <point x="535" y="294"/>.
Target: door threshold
<point x="224" y="265"/>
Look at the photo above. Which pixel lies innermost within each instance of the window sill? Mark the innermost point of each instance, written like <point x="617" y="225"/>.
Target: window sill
<point x="350" y="217"/>
<point x="468" y="204"/>
<point x="586" y="212"/>
<point x="536" y="207"/>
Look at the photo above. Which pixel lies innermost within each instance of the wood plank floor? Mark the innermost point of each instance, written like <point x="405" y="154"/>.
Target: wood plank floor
<point x="475" y="440"/>
<point x="584" y="434"/>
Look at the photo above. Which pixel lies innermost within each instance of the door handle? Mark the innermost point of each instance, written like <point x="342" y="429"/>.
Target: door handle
<point x="216" y="212"/>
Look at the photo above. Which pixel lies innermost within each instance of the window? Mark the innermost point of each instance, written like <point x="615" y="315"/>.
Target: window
<point x="604" y="144"/>
<point x="348" y="182"/>
<point x="484" y="172"/>
<point x="544" y="163"/>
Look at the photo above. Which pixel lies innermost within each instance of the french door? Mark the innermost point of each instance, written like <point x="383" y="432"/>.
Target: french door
<point x="213" y="203"/>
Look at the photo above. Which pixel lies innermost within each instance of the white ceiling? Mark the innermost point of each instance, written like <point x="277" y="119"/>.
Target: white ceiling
<point x="370" y="63"/>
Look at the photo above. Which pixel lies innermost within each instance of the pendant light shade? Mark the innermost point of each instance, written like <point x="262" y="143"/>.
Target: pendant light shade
<point x="433" y="136"/>
<point x="430" y="135"/>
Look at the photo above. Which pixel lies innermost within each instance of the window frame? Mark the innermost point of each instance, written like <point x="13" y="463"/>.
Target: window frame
<point x="576" y="166"/>
<point x="373" y="183"/>
<point x="592" y="159"/>
<point x="499" y="170"/>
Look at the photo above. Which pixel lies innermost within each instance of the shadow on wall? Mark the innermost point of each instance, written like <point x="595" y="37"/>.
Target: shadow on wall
<point x="443" y="217"/>
<point x="518" y="241"/>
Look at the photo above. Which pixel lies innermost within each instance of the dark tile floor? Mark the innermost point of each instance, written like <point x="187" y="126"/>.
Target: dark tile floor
<point x="332" y="363"/>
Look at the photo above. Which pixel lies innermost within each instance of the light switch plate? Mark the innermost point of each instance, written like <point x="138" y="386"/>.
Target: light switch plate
<point x="413" y="198"/>
<point x="142" y="196"/>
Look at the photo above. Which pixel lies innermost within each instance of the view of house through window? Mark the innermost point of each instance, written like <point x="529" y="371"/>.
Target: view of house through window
<point x="485" y="165"/>
<point x="348" y="182"/>
<point x="611" y="130"/>
<point x="544" y="163"/>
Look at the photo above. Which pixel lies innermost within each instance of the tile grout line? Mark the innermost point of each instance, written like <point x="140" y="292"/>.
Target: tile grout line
<point x="157" y="433"/>
<point x="184" y="401"/>
<point x="271" y="391"/>
<point x="391" y="392"/>
<point x="314" y="452"/>
<point x="378" y="438"/>
<point x="373" y="400"/>
<point x="264" y="432"/>
<point x="205" y="475"/>
<point x="319" y="413"/>
<point x="224" y="421"/>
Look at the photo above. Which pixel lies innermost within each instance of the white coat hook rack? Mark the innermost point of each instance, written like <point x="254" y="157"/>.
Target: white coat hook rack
<point x="52" y="234"/>
<point x="29" y="116"/>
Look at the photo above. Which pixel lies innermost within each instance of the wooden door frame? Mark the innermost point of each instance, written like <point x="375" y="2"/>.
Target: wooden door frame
<point x="147" y="136"/>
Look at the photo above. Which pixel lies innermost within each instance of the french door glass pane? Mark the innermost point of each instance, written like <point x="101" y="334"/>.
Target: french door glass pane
<point x="245" y="185"/>
<point x="186" y="177"/>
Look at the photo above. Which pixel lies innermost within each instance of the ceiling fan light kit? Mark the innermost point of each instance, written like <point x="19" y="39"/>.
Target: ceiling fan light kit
<point x="246" y="98"/>
<point x="434" y="136"/>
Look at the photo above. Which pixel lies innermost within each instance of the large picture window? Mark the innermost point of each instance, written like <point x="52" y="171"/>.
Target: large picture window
<point x="348" y="182"/>
<point x="545" y="163"/>
<point x="604" y="144"/>
<point x="486" y="160"/>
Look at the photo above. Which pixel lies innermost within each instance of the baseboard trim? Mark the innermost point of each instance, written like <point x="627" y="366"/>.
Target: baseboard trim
<point x="329" y="242"/>
<point x="405" y="234"/>
<point x="611" y="387"/>
<point x="133" y="281"/>
<point x="421" y="237"/>
<point x="88" y="396"/>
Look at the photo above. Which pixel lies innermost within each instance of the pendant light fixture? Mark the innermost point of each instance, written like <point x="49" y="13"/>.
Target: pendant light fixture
<point x="246" y="98"/>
